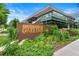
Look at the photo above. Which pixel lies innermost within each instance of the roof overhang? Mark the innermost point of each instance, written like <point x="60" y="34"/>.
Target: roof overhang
<point x="45" y="10"/>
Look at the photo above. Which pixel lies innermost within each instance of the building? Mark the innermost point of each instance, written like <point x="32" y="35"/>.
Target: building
<point x="51" y="15"/>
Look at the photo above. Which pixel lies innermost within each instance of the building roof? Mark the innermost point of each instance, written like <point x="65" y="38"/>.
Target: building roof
<point x="45" y="10"/>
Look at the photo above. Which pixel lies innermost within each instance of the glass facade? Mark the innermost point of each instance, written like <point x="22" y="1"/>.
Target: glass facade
<point x="77" y="18"/>
<point x="60" y="16"/>
<point x="50" y="16"/>
<point x="45" y="17"/>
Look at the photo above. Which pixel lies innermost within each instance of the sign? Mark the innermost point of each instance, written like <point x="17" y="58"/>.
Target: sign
<point x="30" y="30"/>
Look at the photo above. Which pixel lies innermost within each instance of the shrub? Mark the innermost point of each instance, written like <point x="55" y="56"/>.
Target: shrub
<point x="55" y="32"/>
<point x="65" y="35"/>
<point x="53" y="29"/>
<point x="74" y="32"/>
<point x="36" y="47"/>
<point x="10" y="49"/>
<point x="40" y="37"/>
<point x="12" y="33"/>
<point x="46" y="33"/>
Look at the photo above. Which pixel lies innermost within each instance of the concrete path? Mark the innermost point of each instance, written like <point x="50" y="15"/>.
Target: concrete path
<point x="3" y="34"/>
<point x="70" y="50"/>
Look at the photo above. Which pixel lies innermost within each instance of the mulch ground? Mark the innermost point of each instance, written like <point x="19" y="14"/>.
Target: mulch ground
<point x="58" y="46"/>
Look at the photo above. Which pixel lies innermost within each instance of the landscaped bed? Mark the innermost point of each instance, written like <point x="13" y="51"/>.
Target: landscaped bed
<point x="40" y="46"/>
<point x="59" y="45"/>
<point x="43" y="45"/>
<point x="74" y="35"/>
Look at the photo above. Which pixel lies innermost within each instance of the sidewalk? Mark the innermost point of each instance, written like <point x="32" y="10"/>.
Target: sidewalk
<point x="3" y="34"/>
<point x="70" y="50"/>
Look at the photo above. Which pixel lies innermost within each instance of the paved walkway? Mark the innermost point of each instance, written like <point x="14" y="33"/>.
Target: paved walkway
<point x="70" y="50"/>
<point x="3" y="34"/>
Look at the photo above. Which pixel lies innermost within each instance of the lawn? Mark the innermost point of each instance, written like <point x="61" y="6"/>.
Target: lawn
<point x="3" y="40"/>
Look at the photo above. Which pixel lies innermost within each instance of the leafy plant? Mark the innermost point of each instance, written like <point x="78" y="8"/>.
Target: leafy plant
<point x="66" y="35"/>
<point x="55" y="32"/>
<point x="41" y="37"/>
<point x="46" y="33"/>
<point x="12" y="33"/>
<point x="74" y="32"/>
<point x="35" y="48"/>
<point x="10" y="49"/>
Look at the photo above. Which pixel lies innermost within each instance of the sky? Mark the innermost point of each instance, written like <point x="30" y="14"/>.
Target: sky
<point x="24" y="10"/>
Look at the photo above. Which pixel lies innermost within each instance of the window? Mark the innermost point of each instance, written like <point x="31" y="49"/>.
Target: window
<point x="45" y="17"/>
<point x="58" y="15"/>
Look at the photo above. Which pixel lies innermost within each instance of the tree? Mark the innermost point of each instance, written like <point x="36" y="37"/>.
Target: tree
<point x="14" y="22"/>
<point x="3" y="14"/>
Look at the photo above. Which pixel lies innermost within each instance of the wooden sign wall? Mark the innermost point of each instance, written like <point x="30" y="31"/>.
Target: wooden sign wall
<point x="30" y="30"/>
